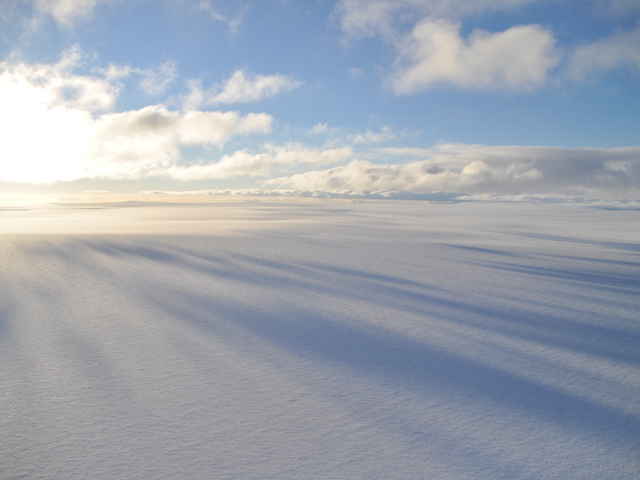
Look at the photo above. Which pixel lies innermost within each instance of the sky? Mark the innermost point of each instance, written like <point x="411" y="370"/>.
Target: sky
<point x="361" y="98"/>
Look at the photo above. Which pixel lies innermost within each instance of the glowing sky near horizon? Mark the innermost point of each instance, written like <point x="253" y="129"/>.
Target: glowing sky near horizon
<point x="503" y="97"/>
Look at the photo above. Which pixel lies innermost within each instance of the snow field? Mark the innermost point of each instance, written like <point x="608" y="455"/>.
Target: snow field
<point x="377" y="340"/>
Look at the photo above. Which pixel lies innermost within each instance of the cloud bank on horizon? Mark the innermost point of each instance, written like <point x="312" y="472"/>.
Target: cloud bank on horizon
<point x="490" y="97"/>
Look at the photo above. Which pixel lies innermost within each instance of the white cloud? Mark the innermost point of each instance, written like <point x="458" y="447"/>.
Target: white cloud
<point x="618" y="50"/>
<point x="488" y="169"/>
<point x="435" y="53"/>
<point x="155" y="81"/>
<point x="239" y="89"/>
<point x="362" y="18"/>
<point x="215" y="128"/>
<point x="355" y="73"/>
<point x="319" y="129"/>
<point x="114" y="72"/>
<point x="519" y="58"/>
<point x="316" y="194"/>
<point x="55" y="86"/>
<point x="242" y="163"/>
<point x="370" y="137"/>
<point x="195" y="97"/>
<point x="64" y="12"/>
<point x="325" y="130"/>
<point x="233" y="22"/>
<point x="54" y="127"/>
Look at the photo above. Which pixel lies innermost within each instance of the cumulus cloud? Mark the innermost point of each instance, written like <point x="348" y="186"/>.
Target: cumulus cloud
<point x="619" y="50"/>
<point x="519" y="58"/>
<point x="435" y="53"/>
<point x="242" y="163"/>
<point x="239" y="89"/>
<point x="59" y="126"/>
<point x="488" y="169"/>
<point x="55" y="85"/>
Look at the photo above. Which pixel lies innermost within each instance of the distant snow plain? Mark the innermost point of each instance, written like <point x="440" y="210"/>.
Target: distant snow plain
<point x="320" y="340"/>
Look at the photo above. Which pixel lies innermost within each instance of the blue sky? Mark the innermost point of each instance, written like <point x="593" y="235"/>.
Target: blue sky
<point x="480" y="97"/>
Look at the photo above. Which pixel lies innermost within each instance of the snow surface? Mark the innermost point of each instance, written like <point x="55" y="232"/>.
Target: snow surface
<point x="320" y="340"/>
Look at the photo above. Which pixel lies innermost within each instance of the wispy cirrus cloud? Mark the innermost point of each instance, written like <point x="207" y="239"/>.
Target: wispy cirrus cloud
<point x="233" y="21"/>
